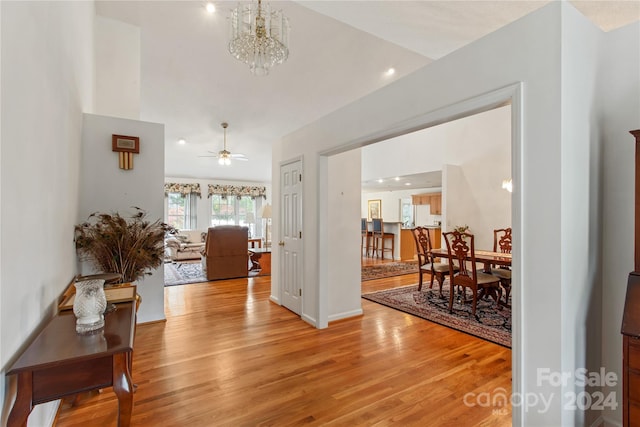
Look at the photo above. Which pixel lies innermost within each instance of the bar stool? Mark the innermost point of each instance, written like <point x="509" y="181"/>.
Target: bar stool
<point x="365" y="236"/>
<point x="379" y="237"/>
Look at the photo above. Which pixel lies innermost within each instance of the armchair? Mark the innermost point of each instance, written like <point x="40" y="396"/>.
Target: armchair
<point x="225" y="253"/>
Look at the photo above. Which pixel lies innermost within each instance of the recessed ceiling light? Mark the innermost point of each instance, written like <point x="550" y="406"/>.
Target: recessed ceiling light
<point x="381" y="180"/>
<point x="182" y="141"/>
<point x="397" y="178"/>
<point x="407" y="183"/>
<point x="211" y="8"/>
<point x="390" y="72"/>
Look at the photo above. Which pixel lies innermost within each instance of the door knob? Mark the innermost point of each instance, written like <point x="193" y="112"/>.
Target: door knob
<point x="281" y="243"/>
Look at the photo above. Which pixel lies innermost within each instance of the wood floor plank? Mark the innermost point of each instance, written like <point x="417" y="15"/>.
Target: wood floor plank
<point x="227" y="356"/>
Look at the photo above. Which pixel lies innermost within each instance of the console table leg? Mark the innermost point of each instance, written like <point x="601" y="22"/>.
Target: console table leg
<point x="123" y="388"/>
<point x="24" y="403"/>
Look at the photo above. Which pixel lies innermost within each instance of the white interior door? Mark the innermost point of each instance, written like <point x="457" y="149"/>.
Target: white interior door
<point x="291" y="235"/>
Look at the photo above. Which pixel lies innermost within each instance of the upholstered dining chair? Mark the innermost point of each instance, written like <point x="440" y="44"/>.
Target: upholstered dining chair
<point x="502" y="243"/>
<point x="426" y="262"/>
<point x="460" y="248"/>
<point x="379" y="238"/>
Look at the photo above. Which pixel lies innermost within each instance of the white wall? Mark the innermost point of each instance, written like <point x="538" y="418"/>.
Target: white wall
<point x="204" y="203"/>
<point x="107" y="188"/>
<point x="580" y="197"/>
<point x="343" y="197"/>
<point x="391" y="202"/>
<point x="528" y="51"/>
<point x="480" y="145"/>
<point x="47" y="82"/>
<point x="415" y="152"/>
<point x="620" y="113"/>
<point x="117" y="78"/>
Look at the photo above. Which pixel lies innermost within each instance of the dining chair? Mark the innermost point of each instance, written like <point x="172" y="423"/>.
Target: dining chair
<point x="502" y="243"/>
<point x="461" y="250"/>
<point x="426" y="261"/>
<point x="380" y="236"/>
<point x="365" y="234"/>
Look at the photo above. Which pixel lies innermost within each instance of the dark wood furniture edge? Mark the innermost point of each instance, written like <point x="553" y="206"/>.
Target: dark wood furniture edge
<point x="630" y="327"/>
<point x="636" y="250"/>
<point x="631" y="312"/>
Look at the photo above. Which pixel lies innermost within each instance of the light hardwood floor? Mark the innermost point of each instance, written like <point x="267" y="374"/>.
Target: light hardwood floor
<point x="227" y="356"/>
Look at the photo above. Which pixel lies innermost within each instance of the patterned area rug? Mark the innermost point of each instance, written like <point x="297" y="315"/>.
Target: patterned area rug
<point x="490" y="323"/>
<point x="187" y="272"/>
<point x="370" y="272"/>
<point x="182" y="274"/>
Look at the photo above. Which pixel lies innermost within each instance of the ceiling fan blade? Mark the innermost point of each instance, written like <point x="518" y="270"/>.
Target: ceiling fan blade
<point x="244" y="159"/>
<point x="238" y="156"/>
<point x="208" y="156"/>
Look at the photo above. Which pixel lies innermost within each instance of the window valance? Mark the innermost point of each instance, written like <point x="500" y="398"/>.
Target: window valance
<point x="238" y="191"/>
<point x="184" y="189"/>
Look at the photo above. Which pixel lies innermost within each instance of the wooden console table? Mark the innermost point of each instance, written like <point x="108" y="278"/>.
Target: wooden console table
<point x="60" y="362"/>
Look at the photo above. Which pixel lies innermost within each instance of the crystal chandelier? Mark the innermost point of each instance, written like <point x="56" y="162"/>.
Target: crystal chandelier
<point x="259" y="36"/>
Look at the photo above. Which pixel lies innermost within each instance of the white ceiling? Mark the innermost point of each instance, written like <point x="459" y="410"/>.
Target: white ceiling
<point x="405" y="182"/>
<point x="339" y="52"/>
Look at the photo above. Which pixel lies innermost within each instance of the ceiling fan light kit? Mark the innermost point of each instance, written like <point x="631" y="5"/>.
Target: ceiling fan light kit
<point x="259" y="37"/>
<point x="224" y="156"/>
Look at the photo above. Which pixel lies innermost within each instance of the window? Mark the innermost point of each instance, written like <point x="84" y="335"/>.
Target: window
<point x="181" y="211"/>
<point x="234" y="211"/>
<point x="222" y="210"/>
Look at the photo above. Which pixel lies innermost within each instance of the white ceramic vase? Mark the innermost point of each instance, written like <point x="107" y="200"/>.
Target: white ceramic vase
<point x="89" y="305"/>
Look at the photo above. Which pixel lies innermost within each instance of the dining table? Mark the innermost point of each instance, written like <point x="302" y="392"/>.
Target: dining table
<point x="488" y="258"/>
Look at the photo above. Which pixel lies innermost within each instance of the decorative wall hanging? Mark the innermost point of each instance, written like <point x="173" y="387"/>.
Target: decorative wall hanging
<point x="374" y="209"/>
<point x="126" y="147"/>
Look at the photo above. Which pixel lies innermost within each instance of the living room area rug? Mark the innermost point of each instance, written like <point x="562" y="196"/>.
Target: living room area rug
<point x="390" y="269"/>
<point x="187" y="272"/>
<point x="490" y="323"/>
<point x="183" y="273"/>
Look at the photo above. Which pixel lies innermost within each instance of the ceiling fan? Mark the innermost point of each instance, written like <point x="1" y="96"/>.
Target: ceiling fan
<point x="225" y="156"/>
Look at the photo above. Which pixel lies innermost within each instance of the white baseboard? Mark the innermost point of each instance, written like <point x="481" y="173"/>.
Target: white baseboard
<point x="310" y="320"/>
<point x="346" y="315"/>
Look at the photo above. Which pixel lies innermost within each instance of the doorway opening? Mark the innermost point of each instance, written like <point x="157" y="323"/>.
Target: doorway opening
<point x="508" y="96"/>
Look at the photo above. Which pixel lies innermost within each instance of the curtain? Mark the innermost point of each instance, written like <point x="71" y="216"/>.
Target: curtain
<point x="192" y="213"/>
<point x="237" y="191"/>
<point x="184" y="189"/>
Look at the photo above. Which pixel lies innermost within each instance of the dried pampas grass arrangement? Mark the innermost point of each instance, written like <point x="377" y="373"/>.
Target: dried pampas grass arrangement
<point x="130" y="246"/>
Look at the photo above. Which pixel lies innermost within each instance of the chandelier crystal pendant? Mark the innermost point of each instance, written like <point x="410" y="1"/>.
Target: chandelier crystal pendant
<point x="259" y="37"/>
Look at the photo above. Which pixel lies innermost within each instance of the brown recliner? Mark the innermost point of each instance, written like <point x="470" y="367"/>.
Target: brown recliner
<point x="226" y="252"/>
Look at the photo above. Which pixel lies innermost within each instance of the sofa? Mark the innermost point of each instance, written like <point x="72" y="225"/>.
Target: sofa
<point x="185" y="245"/>
<point x="226" y="255"/>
